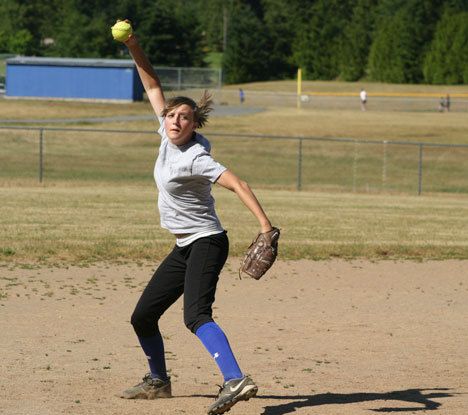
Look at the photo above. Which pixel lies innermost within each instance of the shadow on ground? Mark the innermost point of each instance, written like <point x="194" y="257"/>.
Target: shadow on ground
<point x="420" y="400"/>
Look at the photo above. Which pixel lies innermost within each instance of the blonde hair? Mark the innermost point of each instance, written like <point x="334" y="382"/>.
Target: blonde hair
<point x="201" y="109"/>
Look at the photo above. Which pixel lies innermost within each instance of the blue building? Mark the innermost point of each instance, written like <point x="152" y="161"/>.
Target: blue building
<point x="64" y="78"/>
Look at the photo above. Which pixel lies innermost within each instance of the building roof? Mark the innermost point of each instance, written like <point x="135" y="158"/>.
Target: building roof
<point x="112" y="63"/>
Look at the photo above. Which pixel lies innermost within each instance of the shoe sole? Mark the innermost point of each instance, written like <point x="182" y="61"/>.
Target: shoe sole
<point x="248" y="392"/>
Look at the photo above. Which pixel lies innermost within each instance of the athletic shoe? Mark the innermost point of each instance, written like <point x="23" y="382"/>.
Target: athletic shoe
<point x="149" y="389"/>
<point x="231" y="392"/>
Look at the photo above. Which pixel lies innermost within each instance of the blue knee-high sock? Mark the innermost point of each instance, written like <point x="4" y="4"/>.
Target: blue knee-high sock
<point x="154" y="350"/>
<point x="216" y="342"/>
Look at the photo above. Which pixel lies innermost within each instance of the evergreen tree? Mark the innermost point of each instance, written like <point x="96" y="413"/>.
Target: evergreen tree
<point x="318" y="46"/>
<point x="246" y="55"/>
<point x="168" y="31"/>
<point x="390" y="52"/>
<point x="78" y="35"/>
<point x="398" y="40"/>
<point x="447" y="60"/>
<point x="281" y="24"/>
<point x="357" y="38"/>
<point x="211" y="15"/>
<point x="15" y="36"/>
<point x="401" y="40"/>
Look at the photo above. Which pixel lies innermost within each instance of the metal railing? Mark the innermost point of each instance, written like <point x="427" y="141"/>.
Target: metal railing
<point x="263" y="160"/>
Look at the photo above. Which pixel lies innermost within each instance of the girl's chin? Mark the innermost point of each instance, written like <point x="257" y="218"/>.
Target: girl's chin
<point x="178" y="141"/>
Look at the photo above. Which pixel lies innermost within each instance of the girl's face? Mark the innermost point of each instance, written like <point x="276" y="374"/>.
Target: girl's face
<point x="180" y="124"/>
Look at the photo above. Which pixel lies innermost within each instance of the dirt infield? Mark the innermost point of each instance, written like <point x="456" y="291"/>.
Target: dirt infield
<point x="331" y="337"/>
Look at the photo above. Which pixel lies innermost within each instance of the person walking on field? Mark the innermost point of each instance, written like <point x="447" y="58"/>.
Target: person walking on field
<point x="241" y="95"/>
<point x="441" y="104"/>
<point x="184" y="173"/>
<point x="363" y="98"/>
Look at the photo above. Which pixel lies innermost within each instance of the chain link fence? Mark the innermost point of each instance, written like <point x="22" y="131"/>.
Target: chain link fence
<point x="47" y="155"/>
<point x="176" y="78"/>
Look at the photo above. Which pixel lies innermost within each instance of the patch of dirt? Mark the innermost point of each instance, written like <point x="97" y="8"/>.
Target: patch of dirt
<point x="331" y="337"/>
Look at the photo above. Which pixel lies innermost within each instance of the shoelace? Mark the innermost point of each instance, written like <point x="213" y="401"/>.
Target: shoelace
<point x="153" y="382"/>
<point x="220" y="390"/>
<point x="148" y="379"/>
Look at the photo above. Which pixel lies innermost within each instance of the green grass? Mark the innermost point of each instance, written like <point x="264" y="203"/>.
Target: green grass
<point x="98" y="200"/>
<point x="63" y="224"/>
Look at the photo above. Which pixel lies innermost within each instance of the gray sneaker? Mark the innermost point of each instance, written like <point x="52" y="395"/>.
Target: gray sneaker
<point x="232" y="392"/>
<point x="149" y="389"/>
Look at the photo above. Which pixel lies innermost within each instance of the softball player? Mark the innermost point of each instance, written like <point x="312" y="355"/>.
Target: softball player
<point x="184" y="173"/>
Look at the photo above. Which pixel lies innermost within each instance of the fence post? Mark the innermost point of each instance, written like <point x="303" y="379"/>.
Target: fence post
<point x="420" y="169"/>
<point x="220" y="78"/>
<point x="299" y="165"/>
<point x="41" y="154"/>
<point x="384" y="165"/>
<point x="355" y="157"/>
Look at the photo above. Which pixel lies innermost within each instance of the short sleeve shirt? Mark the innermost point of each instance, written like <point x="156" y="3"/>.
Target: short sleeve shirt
<point x="184" y="176"/>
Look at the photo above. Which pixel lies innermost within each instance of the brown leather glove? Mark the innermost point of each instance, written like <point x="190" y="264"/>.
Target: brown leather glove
<point x="261" y="254"/>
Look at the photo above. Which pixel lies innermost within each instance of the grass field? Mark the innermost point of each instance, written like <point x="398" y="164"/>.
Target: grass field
<point x="365" y="310"/>
<point x="98" y="200"/>
<point x="343" y="88"/>
<point x="264" y="162"/>
<point x="110" y="222"/>
<point x="346" y="121"/>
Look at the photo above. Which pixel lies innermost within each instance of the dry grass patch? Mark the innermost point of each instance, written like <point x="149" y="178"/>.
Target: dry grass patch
<point x="352" y="87"/>
<point x="46" y="109"/>
<point x="394" y="126"/>
<point x="81" y="224"/>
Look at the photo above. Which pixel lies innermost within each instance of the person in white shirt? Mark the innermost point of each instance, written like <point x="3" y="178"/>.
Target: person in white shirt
<point x="363" y="97"/>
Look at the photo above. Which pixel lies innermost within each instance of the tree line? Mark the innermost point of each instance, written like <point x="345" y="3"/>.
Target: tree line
<point x="396" y="41"/>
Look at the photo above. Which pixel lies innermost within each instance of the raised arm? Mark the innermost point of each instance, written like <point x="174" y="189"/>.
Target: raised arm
<point x="230" y="181"/>
<point x="148" y="76"/>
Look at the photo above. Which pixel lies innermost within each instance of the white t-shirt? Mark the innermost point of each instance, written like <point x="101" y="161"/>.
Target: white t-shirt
<point x="363" y="95"/>
<point x="184" y="176"/>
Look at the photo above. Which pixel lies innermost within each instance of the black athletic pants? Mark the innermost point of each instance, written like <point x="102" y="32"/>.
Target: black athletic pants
<point x="192" y="270"/>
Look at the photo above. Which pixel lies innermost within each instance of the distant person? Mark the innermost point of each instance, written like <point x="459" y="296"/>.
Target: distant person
<point x="241" y="95"/>
<point x="441" y="104"/>
<point x="363" y="97"/>
<point x="447" y="103"/>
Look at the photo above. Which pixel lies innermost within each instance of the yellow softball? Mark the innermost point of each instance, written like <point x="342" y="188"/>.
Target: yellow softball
<point x="121" y="31"/>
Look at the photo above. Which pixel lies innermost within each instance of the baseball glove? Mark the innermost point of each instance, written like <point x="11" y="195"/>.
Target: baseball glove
<point x="261" y="254"/>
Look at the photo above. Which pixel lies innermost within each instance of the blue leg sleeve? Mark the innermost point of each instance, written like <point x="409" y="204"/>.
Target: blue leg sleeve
<point x="216" y="342"/>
